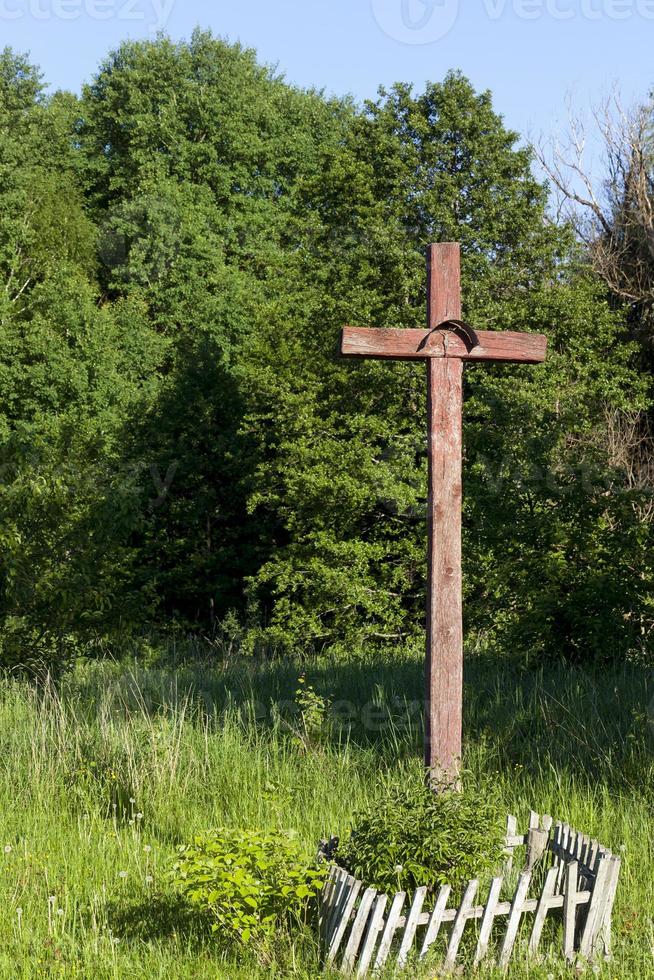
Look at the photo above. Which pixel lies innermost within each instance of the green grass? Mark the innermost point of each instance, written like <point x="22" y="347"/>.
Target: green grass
<point x="208" y="745"/>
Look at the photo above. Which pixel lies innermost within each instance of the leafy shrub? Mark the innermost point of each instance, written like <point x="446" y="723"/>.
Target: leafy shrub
<point x="250" y="883"/>
<point x="312" y="730"/>
<point x="410" y="836"/>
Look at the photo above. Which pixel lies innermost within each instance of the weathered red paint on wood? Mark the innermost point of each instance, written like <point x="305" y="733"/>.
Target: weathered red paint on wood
<point x="444" y="660"/>
<point x="444" y="663"/>
<point x="410" y="345"/>
<point x="444" y="349"/>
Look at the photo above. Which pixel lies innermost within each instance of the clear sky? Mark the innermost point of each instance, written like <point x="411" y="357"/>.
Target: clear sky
<point x="530" y="53"/>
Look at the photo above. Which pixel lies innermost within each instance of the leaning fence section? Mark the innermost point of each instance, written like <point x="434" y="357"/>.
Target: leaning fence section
<point x="363" y="929"/>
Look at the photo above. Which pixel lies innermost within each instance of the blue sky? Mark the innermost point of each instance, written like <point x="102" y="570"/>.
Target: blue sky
<point x="530" y="53"/>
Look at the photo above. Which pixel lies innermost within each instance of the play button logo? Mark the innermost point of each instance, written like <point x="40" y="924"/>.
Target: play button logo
<point x="416" y="21"/>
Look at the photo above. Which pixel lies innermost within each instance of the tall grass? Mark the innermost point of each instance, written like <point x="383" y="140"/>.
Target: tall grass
<point x="102" y="776"/>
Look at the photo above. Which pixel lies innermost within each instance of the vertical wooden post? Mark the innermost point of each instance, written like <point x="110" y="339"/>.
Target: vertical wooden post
<point x="444" y="662"/>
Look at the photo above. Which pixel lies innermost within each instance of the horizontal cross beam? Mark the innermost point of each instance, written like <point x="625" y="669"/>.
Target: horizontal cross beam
<point x="410" y="345"/>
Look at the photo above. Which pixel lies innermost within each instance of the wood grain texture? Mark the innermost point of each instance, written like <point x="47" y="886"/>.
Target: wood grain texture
<point x="358" y="927"/>
<point x="375" y="925"/>
<point x="391" y="927"/>
<point x="414" y="345"/>
<point x="444" y="662"/>
<point x="445" y="344"/>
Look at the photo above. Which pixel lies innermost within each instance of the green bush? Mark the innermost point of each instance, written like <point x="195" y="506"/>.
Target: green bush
<point x="251" y="884"/>
<point x="409" y="837"/>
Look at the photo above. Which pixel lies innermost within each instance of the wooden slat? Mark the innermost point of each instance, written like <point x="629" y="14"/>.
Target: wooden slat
<point x="410" y="344"/>
<point x="375" y="925"/>
<point x="411" y="926"/>
<point x="459" y="924"/>
<point x="326" y="901"/>
<point x="358" y="927"/>
<point x="392" y="924"/>
<point x="488" y="918"/>
<point x="548" y="900"/>
<point x="340" y="886"/>
<point x="602" y="936"/>
<point x="512" y="839"/>
<point x="435" y="920"/>
<point x="563" y="850"/>
<point x="593" y="856"/>
<point x="596" y="905"/>
<point x="517" y="908"/>
<point x="345" y="909"/>
<point x="536" y="847"/>
<point x="555" y="844"/>
<point x="570" y="909"/>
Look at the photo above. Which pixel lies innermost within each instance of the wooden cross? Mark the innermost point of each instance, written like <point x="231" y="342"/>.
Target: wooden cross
<point x="445" y="345"/>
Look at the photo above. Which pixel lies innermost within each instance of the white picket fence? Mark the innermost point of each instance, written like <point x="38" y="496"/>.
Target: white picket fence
<point x="362" y="929"/>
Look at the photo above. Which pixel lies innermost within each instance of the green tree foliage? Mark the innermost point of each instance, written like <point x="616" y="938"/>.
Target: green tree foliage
<point x="180" y="248"/>
<point x="69" y="376"/>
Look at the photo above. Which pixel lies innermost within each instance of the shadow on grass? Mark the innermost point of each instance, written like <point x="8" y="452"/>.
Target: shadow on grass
<point x="574" y="719"/>
<point x="161" y="918"/>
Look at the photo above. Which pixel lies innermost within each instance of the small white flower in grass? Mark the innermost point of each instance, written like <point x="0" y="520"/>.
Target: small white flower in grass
<point x="149" y="879"/>
<point x="122" y="874"/>
<point x="147" y="848"/>
<point x="60" y="912"/>
<point x="399" y="868"/>
<point x="139" y="816"/>
<point x="132" y="800"/>
<point x="52" y="899"/>
<point x="7" y="848"/>
<point x="623" y="847"/>
<point x="131" y="823"/>
<point x="19" y="912"/>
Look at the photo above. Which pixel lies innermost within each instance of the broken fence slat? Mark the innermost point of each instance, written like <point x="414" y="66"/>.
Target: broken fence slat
<point x="536" y="847"/>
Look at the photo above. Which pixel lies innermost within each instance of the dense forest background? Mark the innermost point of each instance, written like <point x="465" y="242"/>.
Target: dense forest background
<point x="181" y="449"/>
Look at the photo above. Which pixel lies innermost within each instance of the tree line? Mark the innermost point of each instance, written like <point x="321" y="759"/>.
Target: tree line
<point x="181" y="448"/>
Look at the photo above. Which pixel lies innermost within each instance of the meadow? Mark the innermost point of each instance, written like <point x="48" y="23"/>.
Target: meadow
<point x="102" y="776"/>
